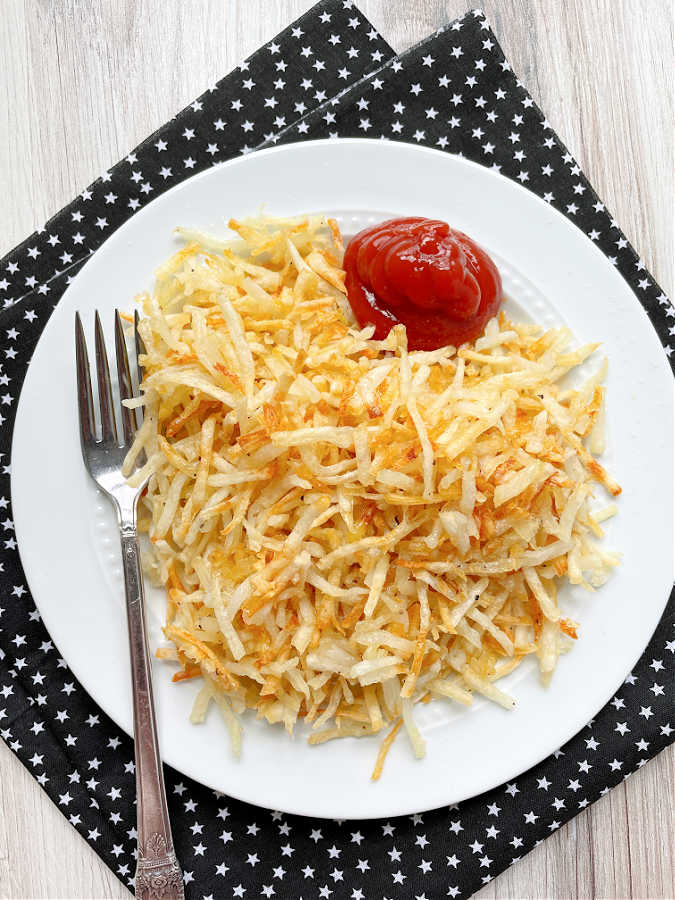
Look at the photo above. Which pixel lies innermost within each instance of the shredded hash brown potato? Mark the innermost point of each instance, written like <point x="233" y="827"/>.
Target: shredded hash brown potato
<point x="345" y="528"/>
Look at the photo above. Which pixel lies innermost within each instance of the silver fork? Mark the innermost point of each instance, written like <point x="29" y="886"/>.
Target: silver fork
<point x="158" y="874"/>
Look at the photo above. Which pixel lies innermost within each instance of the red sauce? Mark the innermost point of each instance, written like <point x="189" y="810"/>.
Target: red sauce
<point x="420" y="272"/>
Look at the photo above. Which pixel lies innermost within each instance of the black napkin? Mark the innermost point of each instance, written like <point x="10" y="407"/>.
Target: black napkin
<point x="454" y="91"/>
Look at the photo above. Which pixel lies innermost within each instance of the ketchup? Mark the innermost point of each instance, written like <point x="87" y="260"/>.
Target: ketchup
<point x="425" y="275"/>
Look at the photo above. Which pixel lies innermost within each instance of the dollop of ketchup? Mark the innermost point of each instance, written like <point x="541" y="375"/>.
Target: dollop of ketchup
<point x="425" y="275"/>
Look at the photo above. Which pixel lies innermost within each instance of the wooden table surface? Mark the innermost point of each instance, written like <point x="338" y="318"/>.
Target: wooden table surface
<point x="83" y="83"/>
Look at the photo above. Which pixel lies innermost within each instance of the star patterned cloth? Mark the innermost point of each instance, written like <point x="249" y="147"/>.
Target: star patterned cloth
<point x="328" y="74"/>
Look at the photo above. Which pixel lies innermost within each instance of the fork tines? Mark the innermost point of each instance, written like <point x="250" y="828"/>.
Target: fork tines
<point x="88" y="430"/>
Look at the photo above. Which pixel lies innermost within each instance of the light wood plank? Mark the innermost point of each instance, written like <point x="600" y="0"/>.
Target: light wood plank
<point x="46" y="857"/>
<point x="649" y="800"/>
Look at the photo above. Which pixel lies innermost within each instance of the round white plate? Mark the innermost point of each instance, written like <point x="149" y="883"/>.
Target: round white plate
<point x="68" y="540"/>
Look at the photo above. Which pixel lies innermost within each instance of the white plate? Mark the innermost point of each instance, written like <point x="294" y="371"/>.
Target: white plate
<point x="66" y="530"/>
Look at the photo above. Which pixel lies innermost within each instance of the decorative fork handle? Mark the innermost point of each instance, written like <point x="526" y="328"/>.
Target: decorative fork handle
<point x="158" y="874"/>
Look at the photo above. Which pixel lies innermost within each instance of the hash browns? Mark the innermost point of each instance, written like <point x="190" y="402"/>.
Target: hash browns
<point x="343" y="527"/>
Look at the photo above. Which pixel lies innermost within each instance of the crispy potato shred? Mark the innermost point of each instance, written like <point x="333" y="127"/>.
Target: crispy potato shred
<point x="343" y="527"/>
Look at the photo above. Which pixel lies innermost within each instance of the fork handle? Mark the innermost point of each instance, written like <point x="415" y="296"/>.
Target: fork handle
<point x="158" y="874"/>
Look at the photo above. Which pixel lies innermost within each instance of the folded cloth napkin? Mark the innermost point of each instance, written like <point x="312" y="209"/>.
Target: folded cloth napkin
<point x="454" y="91"/>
